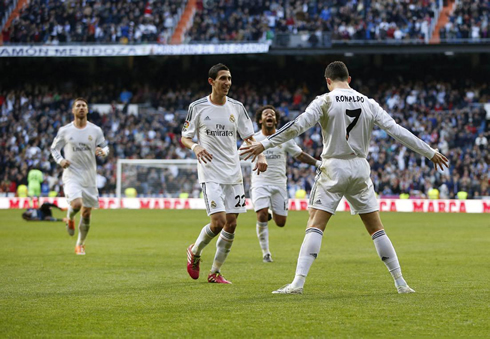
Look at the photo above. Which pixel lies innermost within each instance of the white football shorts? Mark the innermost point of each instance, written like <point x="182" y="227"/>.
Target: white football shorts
<point x="89" y="195"/>
<point x="274" y="197"/>
<point x="344" y="177"/>
<point x="223" y="198"/>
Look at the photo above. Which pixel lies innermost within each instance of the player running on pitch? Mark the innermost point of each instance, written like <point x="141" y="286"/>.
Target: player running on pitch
<point x="270" y="190"/>
<point x="347" y="118"/>
<point x="81" y="141"/>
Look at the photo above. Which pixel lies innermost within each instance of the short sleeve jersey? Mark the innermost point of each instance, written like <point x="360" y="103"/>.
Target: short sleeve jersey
<point x="79" y="148"/>
<point x="217" y="128"/>
<point x="276" y="163"/>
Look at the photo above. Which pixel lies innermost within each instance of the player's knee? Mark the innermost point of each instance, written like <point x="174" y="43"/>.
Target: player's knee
<point x="86" y="214"/>
<point x="76" y="205"/>
<point x="218" y="224"/>
<point x="230" y="227"/>
<point x="262" y="215"/>
<point x="280" y="221"/>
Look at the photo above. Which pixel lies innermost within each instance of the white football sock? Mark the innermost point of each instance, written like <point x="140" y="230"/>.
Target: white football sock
<point x="223" y="246"/>
<point x="203" y="240"/>
<point x="83" y="229"/>
<point x="70" y="213"/>
<point x="387" y="253"/>
<point x="308" y="253"/>
<point x="263" y="235"/>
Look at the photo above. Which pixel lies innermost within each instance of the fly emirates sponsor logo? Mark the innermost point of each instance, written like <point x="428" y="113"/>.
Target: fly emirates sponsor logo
<point x="81" y="147"/>
<point x="220" y="131"/>
<point x="270" y="155"/>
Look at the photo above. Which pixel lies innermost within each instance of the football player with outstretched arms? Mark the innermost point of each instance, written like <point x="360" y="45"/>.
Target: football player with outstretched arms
<point x="347" y="119"/>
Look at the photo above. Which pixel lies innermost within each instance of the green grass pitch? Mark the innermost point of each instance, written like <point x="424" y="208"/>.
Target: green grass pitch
<point x="133" y="281"/>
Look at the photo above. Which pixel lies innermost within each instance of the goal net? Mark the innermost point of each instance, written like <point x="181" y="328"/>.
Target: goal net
<point x="163" y="178"/>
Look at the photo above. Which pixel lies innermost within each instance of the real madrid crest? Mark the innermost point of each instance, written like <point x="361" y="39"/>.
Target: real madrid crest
<point x="90" y="137"/>
<point x="213" y="204"/>
<point x="232" y="118"/>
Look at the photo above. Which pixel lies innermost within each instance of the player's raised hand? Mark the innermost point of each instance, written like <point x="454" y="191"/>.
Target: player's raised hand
<point x="202" y="154"/>
<point x="99" y="152"/>
<point x="251" y="150"/>
<point x="65" y="163"/>
<point x="261" y="165"/>
<point x="439" y="160"/>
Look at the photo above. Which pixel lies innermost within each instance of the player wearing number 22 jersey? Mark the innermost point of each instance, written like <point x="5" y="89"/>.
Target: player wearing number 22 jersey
<point x="347" y="119"/>
<point x="217" y="121"/>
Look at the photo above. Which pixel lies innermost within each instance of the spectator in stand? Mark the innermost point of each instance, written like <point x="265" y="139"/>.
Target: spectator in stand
<point x="125" y="96"/>
<point x="481" y="141"/>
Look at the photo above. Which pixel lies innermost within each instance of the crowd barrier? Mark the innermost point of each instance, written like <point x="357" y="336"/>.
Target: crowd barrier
<point x="385" y="205"/>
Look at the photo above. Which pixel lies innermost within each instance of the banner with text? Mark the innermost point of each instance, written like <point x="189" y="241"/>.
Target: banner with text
<point x="385" y="205"/>
<point x="129" y="50"/>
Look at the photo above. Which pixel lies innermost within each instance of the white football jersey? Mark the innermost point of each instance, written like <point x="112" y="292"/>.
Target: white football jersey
<point x="276" y="163"/>
<point x="347" y="118"/>
<point x="79" y="148"/>
<point x="217" y="128"/>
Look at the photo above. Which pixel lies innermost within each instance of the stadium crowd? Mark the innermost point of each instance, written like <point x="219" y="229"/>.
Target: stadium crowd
<point x="345" y="20"/>
<point x="100" y="21"/>
<point x="445" y="115"/>
<point x="469" y="20"/>
<point x="105" y="21"/>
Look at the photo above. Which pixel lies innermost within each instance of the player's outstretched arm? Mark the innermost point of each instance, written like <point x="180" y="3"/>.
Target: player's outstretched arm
<point x="252" y="149"/>
<point x="201" y="153"/>
<point x="303" y="122"/>
<point x="261" y="164"/>
<point x="440" y="160"/>
<point x="407" y="138"/>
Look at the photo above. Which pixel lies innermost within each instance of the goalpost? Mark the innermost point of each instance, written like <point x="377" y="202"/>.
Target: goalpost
<point x="166" y="178"/>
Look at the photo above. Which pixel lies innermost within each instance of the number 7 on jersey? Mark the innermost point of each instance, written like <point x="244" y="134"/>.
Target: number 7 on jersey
<point x="353" y="113"/>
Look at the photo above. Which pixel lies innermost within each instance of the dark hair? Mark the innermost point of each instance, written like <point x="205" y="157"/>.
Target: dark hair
<point x="336" y="71"/>
<point x="213" y="71"/>
<point x="258" y="114"/>
<point x="79" y="99"/>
